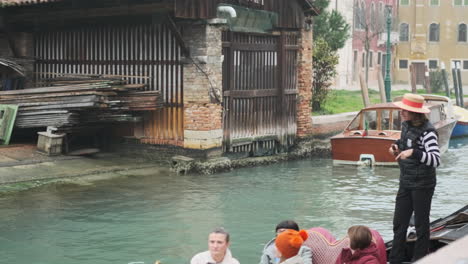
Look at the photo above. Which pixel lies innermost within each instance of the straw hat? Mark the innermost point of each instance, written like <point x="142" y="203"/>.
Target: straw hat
<point x="413" y="103"/>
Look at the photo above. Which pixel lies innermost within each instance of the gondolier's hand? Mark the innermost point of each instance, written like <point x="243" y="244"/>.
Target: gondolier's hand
<point x="404" y="154"/>
<point x="393" y="150"/>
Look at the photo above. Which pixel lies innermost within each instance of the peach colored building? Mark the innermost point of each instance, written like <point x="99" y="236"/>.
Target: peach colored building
<point x="431" y="33"/>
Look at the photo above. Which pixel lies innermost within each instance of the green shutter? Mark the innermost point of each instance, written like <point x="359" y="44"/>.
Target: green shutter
<point x="404" y="2"/>
<point x="466" y="2"/>
<point x="457" y="2"/>
<point x="435" y="2"/>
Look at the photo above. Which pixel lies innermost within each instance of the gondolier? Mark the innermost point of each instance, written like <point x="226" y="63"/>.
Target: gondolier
<point x="418" y="155"/>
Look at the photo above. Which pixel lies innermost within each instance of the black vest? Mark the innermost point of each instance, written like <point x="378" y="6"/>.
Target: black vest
<point x="413" y="173"/>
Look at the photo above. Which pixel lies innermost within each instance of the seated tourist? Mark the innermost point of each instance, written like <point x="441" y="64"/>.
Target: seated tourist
<point x="288" y="244"/>
<point x="218" y="250"/>
<point x="362" y="250"/>
<point x="269" y="252"/>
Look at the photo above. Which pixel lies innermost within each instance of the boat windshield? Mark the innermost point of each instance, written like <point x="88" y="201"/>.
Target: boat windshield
<point x="377" y="119"/>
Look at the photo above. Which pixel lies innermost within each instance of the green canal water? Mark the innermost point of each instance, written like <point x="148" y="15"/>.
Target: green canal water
<point x="166" y="217"/>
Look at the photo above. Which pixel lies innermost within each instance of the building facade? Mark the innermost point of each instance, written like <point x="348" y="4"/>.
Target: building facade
<point x="432" y="34"/>
<point x="229" y="82"/>
<point x="344" y="69"/>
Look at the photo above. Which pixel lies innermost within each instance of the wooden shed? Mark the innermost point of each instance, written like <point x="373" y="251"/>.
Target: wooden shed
<point x="234" y="74"/>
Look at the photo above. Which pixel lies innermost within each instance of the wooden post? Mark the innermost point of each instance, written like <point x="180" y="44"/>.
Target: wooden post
<point x="455" y="85"/>
<point x="444" y="76"/>
<point x="427" y="80"/>
<point x="364" y="90"/>
<point x="460" y="88"/>
<point x="281" y="89"/>
<point x="381" y="87"/>
<point x="413" y="79"/>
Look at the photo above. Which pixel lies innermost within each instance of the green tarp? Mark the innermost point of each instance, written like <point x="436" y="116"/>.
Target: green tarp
<point x="7" y="121"/>
<point x="250" y="20"/>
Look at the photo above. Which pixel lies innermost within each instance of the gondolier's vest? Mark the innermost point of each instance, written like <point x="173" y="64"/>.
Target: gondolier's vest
<point x="413" y="173"/>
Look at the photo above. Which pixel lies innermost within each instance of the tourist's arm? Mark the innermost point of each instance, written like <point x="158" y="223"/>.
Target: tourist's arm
<point x="306" y="254"/>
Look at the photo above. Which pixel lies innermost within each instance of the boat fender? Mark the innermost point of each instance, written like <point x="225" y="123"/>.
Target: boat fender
<point x="366" y="160"/>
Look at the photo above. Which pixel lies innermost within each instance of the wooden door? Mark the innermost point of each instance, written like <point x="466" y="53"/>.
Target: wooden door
<point x="419" y="71"/>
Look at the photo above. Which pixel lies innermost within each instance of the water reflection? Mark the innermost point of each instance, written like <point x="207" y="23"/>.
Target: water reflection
<point x="168" y="217"/>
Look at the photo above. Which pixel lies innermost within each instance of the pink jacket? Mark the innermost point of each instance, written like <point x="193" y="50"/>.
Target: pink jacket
<point x="368" y="255"/>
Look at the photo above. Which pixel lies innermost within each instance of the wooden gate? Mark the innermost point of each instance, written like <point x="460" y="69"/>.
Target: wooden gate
<point x="141" y="54"/>
<point x="259" y="89"/>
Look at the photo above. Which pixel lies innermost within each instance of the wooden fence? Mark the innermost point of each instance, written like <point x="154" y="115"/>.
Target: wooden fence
<point x="141" y="54"/>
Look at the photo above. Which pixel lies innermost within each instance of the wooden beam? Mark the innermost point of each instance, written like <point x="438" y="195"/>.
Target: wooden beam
<point x="175" y="31"/>
<point x="37" y="15"/>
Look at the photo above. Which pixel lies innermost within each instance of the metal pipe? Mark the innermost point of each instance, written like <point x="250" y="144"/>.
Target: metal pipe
<point x="228" y="9"/>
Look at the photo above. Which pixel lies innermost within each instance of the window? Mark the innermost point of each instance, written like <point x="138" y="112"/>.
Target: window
<point x="434" y="32"/>
<point x="462" y="33"/>
<point x="433" y="64"/>
<point x="456" y="64"/>
<point x="373" y="17"/>
<point x="404" y="32"/>
<point x="379" y="58"/>
<point x="363" y="59"/>
<point x="370" y="117"/>
<point x="357" y="16"/>
<point x="403" y="64"/>
<point x="363" y="15"/>
<point x="404" y="2"/>
<point x="460" y="2"/>
<point x="434" y="2"/>
<point x="371" y="64"/>
<point x="465" y="64"/>
<point x="396" y="119"/>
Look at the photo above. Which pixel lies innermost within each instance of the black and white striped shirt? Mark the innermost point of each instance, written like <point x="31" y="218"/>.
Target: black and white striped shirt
<point x="428" y="149"/>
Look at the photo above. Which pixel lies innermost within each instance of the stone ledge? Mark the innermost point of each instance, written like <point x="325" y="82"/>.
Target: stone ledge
<point x="203" y="135"/>
<point x="326" y="119"/>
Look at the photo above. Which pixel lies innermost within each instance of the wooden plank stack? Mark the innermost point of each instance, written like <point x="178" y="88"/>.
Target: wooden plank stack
<point x="78" y="102"/>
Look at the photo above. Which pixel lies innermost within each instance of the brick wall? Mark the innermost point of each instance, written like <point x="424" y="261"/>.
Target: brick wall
<point x="304" y="123"/>
<point x="203" y="85"/>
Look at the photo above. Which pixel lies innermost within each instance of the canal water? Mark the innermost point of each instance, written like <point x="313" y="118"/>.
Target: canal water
<point x="167" y="217"/>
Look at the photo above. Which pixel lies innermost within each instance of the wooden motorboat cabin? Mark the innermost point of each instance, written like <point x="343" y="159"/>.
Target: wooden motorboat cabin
<point x="369" y="135"/>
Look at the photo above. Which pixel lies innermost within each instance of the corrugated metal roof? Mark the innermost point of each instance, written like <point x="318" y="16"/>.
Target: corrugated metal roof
<point x="25" y="2"/>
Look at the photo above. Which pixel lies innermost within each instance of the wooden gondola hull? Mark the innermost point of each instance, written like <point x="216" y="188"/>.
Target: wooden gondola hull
<point x="443" y="232"/>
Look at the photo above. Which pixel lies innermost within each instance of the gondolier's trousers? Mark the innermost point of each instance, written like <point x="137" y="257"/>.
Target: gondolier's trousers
<point x="407" y="202"/>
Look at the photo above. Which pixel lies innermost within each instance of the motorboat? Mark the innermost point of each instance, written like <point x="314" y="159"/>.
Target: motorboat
<point x="369" y="135"/>
<point x="461" y="128"/>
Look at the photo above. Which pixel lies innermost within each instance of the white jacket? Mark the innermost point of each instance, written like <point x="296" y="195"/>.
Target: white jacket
<point x="205" y="258"/>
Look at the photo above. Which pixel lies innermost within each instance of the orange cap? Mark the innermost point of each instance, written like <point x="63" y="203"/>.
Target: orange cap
<point x="290" y="241"/>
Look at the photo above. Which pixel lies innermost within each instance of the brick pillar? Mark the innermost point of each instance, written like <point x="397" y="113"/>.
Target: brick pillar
<point x="304" y="109"/>
<point x="203" y="85"/>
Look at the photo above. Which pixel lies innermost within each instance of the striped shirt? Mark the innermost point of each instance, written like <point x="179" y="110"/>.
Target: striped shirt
<point x="428" y="151"/>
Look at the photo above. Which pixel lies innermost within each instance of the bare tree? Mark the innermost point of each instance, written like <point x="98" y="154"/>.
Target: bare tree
<point x="369" y="23"/>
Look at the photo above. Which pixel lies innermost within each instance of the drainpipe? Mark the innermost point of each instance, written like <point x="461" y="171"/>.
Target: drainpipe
<point x="228" y="9"/>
